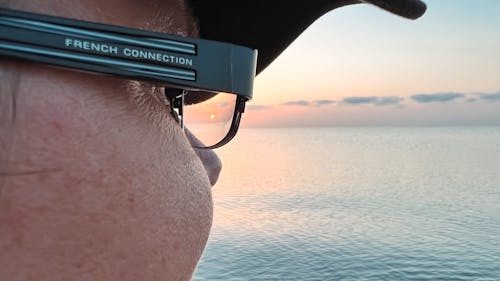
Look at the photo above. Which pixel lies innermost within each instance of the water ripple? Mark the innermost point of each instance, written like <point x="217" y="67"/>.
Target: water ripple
<point x="382" y="204"/>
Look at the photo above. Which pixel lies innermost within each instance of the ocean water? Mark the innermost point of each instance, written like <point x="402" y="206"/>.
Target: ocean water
<point x="357" y="204"/>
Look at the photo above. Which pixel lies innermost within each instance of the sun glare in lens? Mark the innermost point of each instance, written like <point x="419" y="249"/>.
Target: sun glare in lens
<point x="210" y="120"/>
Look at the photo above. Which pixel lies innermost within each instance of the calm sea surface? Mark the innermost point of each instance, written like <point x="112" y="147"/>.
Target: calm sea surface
<point x="357" y="204"/>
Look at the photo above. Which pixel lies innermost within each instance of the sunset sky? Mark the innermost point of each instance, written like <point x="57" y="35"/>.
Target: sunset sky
<point x="359" y="65"/>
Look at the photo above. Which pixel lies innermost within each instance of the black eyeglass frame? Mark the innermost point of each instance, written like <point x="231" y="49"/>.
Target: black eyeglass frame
<point x="176" y="62"/>
<point x="176" y="100"/>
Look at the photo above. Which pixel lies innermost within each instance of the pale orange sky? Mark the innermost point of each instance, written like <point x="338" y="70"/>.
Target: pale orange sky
<point x="366" y="66"/>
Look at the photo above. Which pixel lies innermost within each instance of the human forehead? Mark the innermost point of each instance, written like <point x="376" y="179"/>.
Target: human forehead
<point x="165" y="16"/>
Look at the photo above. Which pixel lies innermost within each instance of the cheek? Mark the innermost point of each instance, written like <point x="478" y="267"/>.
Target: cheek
<point x="130" y="201"/>
<point x="159" y="195"/>
<point x="171" y="196"/>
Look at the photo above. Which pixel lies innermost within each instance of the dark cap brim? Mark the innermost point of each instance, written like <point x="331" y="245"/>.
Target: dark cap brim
<point x="271" y="25"/>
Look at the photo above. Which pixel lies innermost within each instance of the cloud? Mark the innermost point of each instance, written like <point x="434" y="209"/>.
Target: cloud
<point x="298" y="103"/>
<point x="490" y="97"/>
<point x="316" y="103"/>
<point x="323" y="102"/>
<point x="381" y="101"/>
<point x="224" y="104"/>
<point x="438" y="97"/>
<point x="446" y="97"/>
<point x="388" y="100"/>
<point x="359" y="100"/>
<point x="256" y="107"/>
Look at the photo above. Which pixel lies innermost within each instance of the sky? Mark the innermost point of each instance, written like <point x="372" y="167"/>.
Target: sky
<point x="359" y="65"/>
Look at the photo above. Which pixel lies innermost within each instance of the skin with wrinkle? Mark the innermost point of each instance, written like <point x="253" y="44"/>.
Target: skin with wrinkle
<point x="7" y="118"/>
<point x="98" y="181"/>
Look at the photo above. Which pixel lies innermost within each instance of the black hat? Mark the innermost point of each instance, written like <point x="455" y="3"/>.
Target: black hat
<point x="271" y="25"/>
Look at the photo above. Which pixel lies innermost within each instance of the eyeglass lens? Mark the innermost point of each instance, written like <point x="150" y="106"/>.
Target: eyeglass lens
<point x="208" y="116"/>
<point x="210" y="120"/>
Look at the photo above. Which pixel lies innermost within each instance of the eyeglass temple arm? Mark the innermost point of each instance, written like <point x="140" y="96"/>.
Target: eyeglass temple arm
<point x="136" y="54"/>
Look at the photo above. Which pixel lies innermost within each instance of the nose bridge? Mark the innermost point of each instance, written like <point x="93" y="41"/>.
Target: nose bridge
<point x="211" y="162"/>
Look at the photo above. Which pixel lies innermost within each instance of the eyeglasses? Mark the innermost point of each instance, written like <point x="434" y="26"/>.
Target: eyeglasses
<point x="207" y="83"/>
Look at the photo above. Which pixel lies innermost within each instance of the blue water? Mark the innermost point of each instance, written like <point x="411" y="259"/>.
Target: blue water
<point x="357" y="204"/>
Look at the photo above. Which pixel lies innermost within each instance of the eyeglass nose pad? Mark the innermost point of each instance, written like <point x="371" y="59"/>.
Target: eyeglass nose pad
<point x="176" y="99"/>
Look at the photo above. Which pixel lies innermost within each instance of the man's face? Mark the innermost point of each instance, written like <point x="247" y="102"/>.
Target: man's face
<point x="102" y="183"/>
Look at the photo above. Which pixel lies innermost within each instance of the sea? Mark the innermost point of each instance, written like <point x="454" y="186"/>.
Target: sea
<point x="357" y="203"/>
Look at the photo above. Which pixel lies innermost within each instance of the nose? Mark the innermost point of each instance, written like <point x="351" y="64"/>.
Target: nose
<point x="210" y="160"/>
